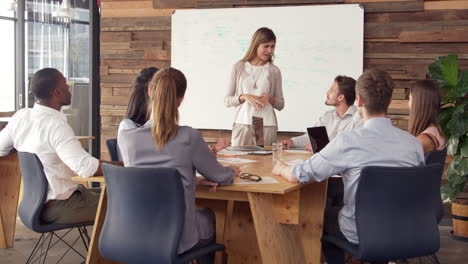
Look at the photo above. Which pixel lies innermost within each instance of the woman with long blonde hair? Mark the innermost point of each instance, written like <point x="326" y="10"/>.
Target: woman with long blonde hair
<point x="255" y="89"/>
<point x="161" y="142"/>
<point x="424" y="104"/>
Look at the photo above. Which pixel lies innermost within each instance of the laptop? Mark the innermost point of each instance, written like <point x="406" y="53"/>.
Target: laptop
<point x="318" y="138"/>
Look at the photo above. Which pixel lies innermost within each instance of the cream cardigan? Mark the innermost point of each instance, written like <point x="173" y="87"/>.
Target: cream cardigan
<point x="234" y="91"/>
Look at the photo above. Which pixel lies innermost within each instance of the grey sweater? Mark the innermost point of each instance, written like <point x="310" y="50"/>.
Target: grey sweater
<point x="187" y="152"/>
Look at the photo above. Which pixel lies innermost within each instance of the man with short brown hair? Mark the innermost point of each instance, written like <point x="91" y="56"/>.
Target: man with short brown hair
<point x="377" y="143"/>
<point x="343" y="117"/>
<point x="375" y="87"/>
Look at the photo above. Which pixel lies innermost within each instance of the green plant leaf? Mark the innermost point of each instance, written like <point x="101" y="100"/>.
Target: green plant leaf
<point x="462" y="168"/>
<point x="452" y="146"/>
<point x="462" y="83"/>
<point x="464" y="146"/>
<point x="444" y="117"/>
<point x="458" y="125"/>
<point x="445" y="71"/>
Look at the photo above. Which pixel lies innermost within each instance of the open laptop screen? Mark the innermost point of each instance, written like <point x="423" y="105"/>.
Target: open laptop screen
<point x="318" y="138"/>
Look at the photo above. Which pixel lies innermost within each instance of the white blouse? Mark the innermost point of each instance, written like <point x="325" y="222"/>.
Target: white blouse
<point x="254" y="80"/>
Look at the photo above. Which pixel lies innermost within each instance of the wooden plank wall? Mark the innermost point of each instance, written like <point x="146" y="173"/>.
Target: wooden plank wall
<point x="401" y="36"/>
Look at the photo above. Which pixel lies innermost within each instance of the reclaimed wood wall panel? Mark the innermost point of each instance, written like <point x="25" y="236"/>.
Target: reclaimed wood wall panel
<point x="402" y="37"/>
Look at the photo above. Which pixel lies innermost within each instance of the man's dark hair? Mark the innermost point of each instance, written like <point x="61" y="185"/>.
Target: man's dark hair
<point x="376" y="88"/>
<point x="346" y="87"/>
<point x="44" y="82"/>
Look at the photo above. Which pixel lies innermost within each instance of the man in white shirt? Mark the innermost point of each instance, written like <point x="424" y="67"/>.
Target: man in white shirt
<point x="44" y="131"/>
<point x="344" y="117"/>
<point x="377" y="143"/>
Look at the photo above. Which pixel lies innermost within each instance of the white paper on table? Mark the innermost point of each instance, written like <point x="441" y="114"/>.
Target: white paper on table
<point x="297" y="151"/>
<point x="226" y="152"/>
<point x="293" y="162"/>
<point x="265" y="180"/>
<point x="236" y="160"/>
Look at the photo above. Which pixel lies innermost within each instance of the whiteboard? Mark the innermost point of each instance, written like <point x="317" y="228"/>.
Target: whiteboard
<point x="314" y="44"/>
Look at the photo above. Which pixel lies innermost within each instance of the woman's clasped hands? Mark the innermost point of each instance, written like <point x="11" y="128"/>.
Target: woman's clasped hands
<point x="257" y="101"/>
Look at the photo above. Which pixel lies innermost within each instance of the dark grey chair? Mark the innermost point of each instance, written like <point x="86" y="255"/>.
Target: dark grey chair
<point x="437" y="157"/>
<point x="145" y="217"/>
<point x="34" y="197"/>
<point x="113" y="149"/>
<point x="396" y="214"/>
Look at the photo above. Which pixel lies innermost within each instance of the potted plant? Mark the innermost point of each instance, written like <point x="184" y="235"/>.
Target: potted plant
<point x="453" y="119"/>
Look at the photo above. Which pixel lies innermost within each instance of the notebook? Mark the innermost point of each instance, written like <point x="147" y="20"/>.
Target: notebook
<point x="318" y="138"/>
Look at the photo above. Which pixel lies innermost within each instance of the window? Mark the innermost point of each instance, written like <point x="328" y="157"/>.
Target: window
<point x="60" y="40"/>
<point x="7" y="55"/>
<point x="7" y="66"/>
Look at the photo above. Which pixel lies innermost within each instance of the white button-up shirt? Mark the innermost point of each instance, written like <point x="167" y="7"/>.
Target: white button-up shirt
<point x="334" y="125"/>
<point x="45" y="132"/>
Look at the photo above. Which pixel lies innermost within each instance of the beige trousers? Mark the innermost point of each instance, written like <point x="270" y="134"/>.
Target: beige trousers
<point x="244" y="135"/>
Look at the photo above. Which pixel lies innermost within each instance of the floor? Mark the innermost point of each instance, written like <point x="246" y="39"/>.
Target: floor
<point x="452" y="251"/>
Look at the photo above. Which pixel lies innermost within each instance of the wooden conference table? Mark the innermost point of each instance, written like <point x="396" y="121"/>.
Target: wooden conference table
<point x="258" y="223"/>
<point x="10" y="189"/>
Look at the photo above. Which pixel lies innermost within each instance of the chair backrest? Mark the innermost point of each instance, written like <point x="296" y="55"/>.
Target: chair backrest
<point x="145" y="214"/>
<point x="436" y="156"/>
<point x="35" y="187"/>
<point x="433" y="157"/>
<point x="396" y="212"/>
<point x="113" y="149"/>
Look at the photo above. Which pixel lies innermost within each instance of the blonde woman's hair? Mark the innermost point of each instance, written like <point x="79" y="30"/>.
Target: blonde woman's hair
<point x="167" y="86"/>
<point x="262" y="35"/>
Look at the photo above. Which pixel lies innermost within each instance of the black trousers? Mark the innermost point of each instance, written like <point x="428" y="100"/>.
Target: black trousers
<point x="333" y="254"/>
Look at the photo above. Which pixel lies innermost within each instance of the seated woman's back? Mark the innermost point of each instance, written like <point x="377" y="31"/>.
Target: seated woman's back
<point x="161" y="142"/>
<point x="186" y="151"/>
<point x="432" y="139"/>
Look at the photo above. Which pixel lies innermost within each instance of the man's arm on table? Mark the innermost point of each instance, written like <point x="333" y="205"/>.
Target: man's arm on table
<point x="6" y="142"/>
<point x="328" y="162"/>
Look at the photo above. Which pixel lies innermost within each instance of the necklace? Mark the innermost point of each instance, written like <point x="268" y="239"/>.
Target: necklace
<point x="258" y="76"/>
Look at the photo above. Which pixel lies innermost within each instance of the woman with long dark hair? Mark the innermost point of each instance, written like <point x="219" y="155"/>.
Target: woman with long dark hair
<point x="137" y="107"/>
<point x="424" y="104"/>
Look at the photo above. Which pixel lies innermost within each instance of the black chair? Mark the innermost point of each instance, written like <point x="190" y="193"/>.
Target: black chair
<point x="113" y="149"/>
<point x="437" y="157"/>
<point x="396" y="214"/>
<point x="34" y="196"/>
<point x="145" y="217"/>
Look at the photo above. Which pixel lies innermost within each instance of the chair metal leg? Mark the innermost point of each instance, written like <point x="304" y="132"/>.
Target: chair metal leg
<point x="434" y="259"/>
<point x="85" y="231"/>
<point x="36" y="248"/>
<point x="39" y="248"/>
<point x="47" y="250"/>
<point x="49" y="235"/>
<point x="82" y="238"/>
<point x="70" y="246"/>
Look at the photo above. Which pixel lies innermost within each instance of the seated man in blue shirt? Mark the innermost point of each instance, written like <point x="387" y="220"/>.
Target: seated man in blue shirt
<point x="377" y="143"/>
